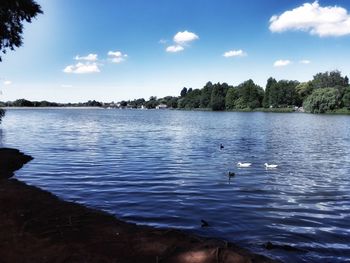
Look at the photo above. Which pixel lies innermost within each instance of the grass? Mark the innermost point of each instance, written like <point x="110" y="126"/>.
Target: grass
<point x="279" y="110"/>
<point x="343" y="111"/>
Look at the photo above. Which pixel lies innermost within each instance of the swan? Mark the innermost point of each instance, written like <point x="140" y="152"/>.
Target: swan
<point x="239" y="164"/>
<point x="270" y="165"/>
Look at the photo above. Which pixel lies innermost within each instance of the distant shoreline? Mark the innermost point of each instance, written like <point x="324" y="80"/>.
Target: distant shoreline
<point x="266" y="110"/>
<point x="50" y="107"/>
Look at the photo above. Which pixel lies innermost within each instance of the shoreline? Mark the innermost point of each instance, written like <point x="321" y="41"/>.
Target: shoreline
<point x="37" y="226"/>
<point x="261" y="110"/>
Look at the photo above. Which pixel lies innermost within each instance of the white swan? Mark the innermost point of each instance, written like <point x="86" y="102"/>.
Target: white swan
<point x="239" y="164"/>
<point x="270" y="165"/>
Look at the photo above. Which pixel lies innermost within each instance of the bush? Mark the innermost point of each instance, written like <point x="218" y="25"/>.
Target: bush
<point x="346" y="98"/>
<point x="322" y="100"/>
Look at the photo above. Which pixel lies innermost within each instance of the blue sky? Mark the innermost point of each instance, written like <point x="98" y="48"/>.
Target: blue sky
<point x="113" y="50"/>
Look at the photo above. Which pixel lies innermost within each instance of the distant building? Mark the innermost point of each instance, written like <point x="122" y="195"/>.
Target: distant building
<point x="161" y="106"/>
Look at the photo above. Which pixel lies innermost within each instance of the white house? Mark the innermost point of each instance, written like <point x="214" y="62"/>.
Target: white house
<point x="161" y="106"/>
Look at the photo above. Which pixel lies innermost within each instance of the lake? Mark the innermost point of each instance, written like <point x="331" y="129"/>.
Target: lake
<point x="165" y="168"/>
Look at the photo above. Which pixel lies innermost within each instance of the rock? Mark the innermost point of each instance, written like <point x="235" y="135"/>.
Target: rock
<point x="10" y="161"/>
<point x="269" y="245"/>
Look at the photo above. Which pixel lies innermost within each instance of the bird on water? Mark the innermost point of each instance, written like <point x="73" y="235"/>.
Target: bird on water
<point x="231" y="174"/>
<point x="270" y="166"/>
<point x="239" y="164"/>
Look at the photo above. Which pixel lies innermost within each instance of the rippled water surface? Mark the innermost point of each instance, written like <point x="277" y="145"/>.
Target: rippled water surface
<point x="165" y="168"/>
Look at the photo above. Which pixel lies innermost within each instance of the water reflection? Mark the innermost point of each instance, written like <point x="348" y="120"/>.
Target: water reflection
<point x="1" y="137"/>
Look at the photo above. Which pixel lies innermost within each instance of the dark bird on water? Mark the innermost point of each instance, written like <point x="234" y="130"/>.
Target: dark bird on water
<point x="204" y="223"/>
<point x="231" y="174"/>
<point x="221" y="146"/>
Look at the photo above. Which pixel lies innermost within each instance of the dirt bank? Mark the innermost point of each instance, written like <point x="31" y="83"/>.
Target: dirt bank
<point x="36" y="226"/>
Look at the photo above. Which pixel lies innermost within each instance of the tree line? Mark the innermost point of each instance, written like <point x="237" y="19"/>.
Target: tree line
<point x="326" y="92"/>
<point x="44" y="103"/>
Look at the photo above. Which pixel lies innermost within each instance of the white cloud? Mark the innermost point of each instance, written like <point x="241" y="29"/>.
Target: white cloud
<point x="174" y="49"/>
<point x="281" y="63"/>
<point x="90" y="57"/>
<point x="117" y="56"/>
<point x="315" y="19"/>
<point x="304" y="61"/>
<point x="82" y="68"/>
<point x="235" y="53"/>
<point x="185" y="37"/>
<point x="181" y="40"/>
<point x="7" y="82"/>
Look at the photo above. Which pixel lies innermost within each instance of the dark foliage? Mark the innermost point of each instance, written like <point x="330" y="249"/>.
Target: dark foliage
<point x="12" y="15"/>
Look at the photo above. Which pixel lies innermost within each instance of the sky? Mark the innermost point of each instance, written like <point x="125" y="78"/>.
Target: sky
<point x="115" y="50"/>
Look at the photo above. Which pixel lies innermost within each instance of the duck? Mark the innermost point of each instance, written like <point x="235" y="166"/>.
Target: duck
<point x="270" y="165"/>
<point x="204" y="223"/>
<point x="231" y="174"/>
<point x="221" y="146"/>
<point x="239" y="164"/>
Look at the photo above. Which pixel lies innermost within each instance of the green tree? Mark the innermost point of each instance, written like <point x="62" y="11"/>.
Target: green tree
<point x="191" y="100"/>
<point x="304" y="89"/>
<point x="283" y="94"/>
<point x="22" y="103"/>
<point x="172" y="102"/>
<point x="322" y="100"/>
<point x="152" y="102"/>
<point x="12" y="15"/>
<point x="346" y="98"/>
<point x="231" y="97"/>
<point x="329" y="80"/>
<point x="266" y="100"/>
<point x="217" y="99"/>
<point x="250" y="95"/>
<point x="289" y="95"/>
<point x="206" y="95"/>
<point x="183" y="92"/>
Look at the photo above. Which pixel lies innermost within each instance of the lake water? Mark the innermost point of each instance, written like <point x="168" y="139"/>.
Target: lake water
<point x="165" y="168"/>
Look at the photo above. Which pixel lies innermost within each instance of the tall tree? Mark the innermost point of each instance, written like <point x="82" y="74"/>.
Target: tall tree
<point x="12" y="15"/>
<point x="206" y="95"/>
<point x="304" y="89"/>
<point x="183" y="92"/>
<point x="250" y="95"/>
<point x="346" y="98"/>
<point x="329" y="80"/>
<point x="231" y="97"/>
<point x="266" y="100"/>
<point x="217" y="100"/>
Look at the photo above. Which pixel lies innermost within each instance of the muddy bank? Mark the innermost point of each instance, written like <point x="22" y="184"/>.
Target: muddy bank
<point x="11" y="160"/>
<point x="36" y="226"/>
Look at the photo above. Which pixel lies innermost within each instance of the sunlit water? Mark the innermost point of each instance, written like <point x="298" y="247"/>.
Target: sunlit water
<point x="165" y="168"/>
